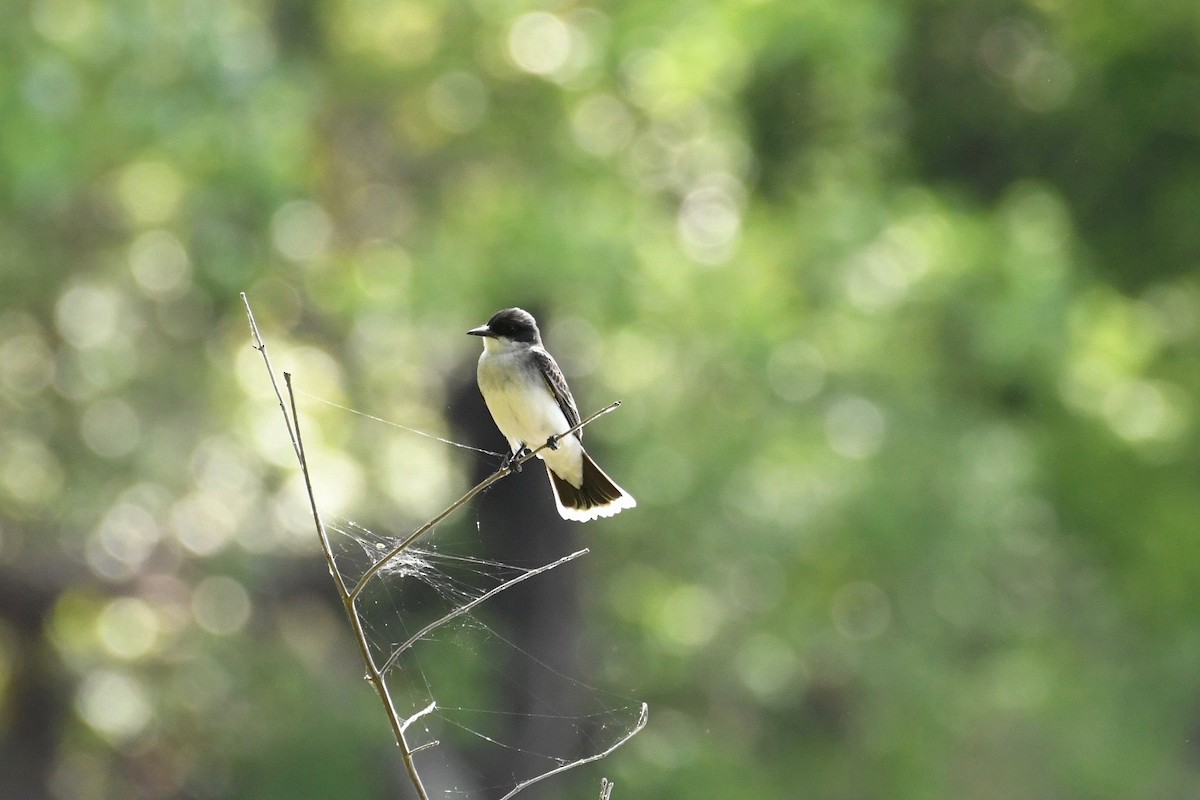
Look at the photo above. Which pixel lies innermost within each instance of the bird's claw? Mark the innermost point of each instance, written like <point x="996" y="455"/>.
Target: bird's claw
<point x="513" y="460"/>
<point x="552" y="442"/>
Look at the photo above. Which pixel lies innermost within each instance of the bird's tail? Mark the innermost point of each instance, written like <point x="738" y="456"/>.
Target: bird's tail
<point x="597" y="496"/>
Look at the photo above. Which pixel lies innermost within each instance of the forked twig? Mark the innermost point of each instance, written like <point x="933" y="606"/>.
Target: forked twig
<point x="374" y="676"/>
<point x="261" y="347"/>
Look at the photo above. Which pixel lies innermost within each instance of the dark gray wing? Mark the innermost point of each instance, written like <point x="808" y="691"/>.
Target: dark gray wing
<point x="558" y="386"/>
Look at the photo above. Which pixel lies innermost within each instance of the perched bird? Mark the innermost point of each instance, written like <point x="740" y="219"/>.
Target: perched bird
<point x="531" y="405"/>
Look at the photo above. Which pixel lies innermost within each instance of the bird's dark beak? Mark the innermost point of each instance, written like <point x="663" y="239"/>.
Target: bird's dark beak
<point x="482" y="330"/>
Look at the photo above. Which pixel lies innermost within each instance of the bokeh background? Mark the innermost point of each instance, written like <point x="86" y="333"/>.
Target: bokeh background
<point x="901" y="297"/>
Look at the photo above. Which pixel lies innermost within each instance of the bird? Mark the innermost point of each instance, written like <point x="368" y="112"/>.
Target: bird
<point x="530" y="402"/>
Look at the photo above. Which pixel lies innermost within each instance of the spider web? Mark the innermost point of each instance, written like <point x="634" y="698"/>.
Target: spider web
<point x="451" y="669"/>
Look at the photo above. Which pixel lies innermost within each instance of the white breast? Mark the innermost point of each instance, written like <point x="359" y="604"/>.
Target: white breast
<point x="525" y="410"/>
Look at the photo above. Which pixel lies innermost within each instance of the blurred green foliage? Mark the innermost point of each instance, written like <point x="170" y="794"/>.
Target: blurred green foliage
<point x="901" y="299"/>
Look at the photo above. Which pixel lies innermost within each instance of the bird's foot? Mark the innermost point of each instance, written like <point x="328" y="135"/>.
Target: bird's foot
<point x="513" y="460"/>
<point x="552" y="442"/>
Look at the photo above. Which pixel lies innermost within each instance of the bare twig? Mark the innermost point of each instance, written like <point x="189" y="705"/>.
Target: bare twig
<point x="326" y="547"/>
<point x="641" y="723"/>
<point x="426" y="746"/>
<point x="374" y="675"/>
<point x="261" y="347"/>
<point x="606" y="787"/>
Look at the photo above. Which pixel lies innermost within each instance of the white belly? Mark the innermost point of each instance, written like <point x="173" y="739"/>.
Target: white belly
<point x="527" y="414"/>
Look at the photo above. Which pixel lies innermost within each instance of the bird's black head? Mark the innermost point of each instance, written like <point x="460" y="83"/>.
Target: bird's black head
<point x="511" y="323"/>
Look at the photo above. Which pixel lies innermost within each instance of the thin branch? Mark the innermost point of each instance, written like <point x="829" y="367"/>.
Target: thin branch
<point x="606" y="787"/>
<point x="374" y="676"/>
<point x="261" y="347"/>
<point x="326" y="547"/>
<point x="292" y="422"/>
<point x="641" y="723"/>
<point x="479" y="487"/>
<point x="463" y="609"/>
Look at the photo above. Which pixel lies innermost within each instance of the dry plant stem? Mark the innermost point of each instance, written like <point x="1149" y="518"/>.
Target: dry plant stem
<point x="466" y="498"/>
<point x="322" y="534"/>
<point x="374" y="675"/>
<point x="261" y="347"/>
<point x="641" y="723"/>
